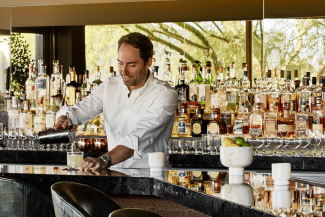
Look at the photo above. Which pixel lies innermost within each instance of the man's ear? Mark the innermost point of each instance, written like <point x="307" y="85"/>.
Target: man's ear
<point x="149" y="62"/>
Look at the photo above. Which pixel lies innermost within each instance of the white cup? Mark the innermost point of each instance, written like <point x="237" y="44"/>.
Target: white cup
<point x="156" y="161"/>
<point x="281" y="196"/>
<point x="281" y="173"/>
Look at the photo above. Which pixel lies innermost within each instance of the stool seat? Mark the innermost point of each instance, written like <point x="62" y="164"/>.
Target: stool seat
<point x="133" y="213"/>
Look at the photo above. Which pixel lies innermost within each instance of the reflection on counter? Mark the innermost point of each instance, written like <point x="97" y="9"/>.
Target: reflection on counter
<point x="256" y="191"/>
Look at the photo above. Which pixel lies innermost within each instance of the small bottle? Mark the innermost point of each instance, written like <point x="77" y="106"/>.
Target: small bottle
<point x="198" y="126"/>
<point x="98" y="80"/>
<point x="241" y="122"/>
<point x="256" y="121"/>
<point x="72" y="89"/>
<point x="184" y="128"/>
<point x="216" y="125"/>
<point x="302" y="123"/>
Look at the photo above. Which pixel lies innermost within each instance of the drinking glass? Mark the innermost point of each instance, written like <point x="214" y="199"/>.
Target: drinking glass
<point x="306" y="148"/>
<point x="216" y="144"/>
<point x="277" y="143"/>
<point x="205" y="148"/>
<point x="190" y="146"/>
<point x="74" y="159"/>
<point x="257" y="144"/>
<point x="286" y="147"/>
<point x="321" y="145"/>
<point x="257" y="182"/>
<point x="269" y="140"/>
<point x="170" y="146"/>
<point x="22" y="137"/>
<point x="182" y="149"/>
<point x="297" y="143"/>
<point x="210" y="141"/>
<point x="5" y="136"/>
<point x="316" y="143"/>
<point x="31" y="136"/>
<point x="12" y="135"/>
<point x="198" y="149"/>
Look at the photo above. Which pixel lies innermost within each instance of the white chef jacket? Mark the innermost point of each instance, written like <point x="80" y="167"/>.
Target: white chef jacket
<point x="143" y="122"/>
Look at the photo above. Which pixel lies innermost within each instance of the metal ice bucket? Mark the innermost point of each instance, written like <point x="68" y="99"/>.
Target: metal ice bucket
<point x="61" y="135"/>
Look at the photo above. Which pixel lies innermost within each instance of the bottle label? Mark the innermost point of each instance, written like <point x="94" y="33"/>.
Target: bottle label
<point x="12" y="113"/>
<point x="256" y="131"/>
<point x="213" y="128"/>
<point x="71" y="93"/>
<point x="301" y="125"/>
<point x="181" y="127"/>
<point x="50" y="120"/>
<point x="216" y="101"/>
<point x="25" y="121"/>
<point x="181" y="92"/>
<point x="238" y="127"/>
<point x="318" y="129"/>
<point x="196" y="128"/>
<point x="270" y="124"/>
<point x="286" y="128"/>
<point x="226" y="118"/>
<point x="30" y="91"/>
<point x="41" y="84"/>
<point x="39" y="124"/>
<point x="204" y="94"/>
<point x="193" y="93"/>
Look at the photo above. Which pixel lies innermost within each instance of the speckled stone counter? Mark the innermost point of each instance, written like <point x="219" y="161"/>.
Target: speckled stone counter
<point x="259" y="162"/>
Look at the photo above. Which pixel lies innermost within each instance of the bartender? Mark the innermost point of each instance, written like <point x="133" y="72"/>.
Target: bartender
<point x="138" y="109"/>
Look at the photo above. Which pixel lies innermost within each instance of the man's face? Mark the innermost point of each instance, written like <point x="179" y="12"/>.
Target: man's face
<point x="131" y="67"/>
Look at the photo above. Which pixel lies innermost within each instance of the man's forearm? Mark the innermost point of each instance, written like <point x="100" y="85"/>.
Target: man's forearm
<point x="119" y="154"/>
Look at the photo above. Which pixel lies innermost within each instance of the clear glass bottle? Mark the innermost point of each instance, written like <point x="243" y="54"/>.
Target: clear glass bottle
<point x="98" y="80"/>
<point x="168" y="75"/>
<point x="193" y="91"/>
<point x="40" y="119"/>
<point x="55" y="77"/>
<point x="183" y="124"/>
<point x="50" y="116"/>
<point x="304" y="95"/>
<point x="270" y="122"/>
<point x="30" y="84"/>
<point x="273" y="95"/>
<point x="72" y="89"/>
<point x="302" y="123"/>
<point x="318" y="119"/>
<point x="281" y="81"/>
<point x="217" y="98"/>
<point x="296" y="81"/>
<point x="245" y="84"/>
<point x="241" y="122"/>
<point x="42" y="87"/>
<point x="183" y="103"/>
<point x="286" y="122"/>
<point x="26" y="118"/>
<point x="33" y="110"/>
<point x="182" y="88"/>
<point x="228" y="115"/>
<point x="256" y="121"/>
<point x="13" y="115"/>
<point x="287" y="93"/>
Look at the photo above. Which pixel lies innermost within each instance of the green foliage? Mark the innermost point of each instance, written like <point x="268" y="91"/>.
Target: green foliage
<point x="20" y="60"/>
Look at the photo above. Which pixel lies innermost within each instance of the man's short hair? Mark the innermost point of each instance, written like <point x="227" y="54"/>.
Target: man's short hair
<point x="139" y="41"/>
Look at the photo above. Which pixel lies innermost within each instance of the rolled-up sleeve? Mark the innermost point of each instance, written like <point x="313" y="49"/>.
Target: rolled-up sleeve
<point x="156" y="119"/>
<point x="89" y="108"/>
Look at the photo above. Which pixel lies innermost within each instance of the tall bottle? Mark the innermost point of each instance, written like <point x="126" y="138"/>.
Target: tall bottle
<point x="241" y="122"/>
<point x="40" y="119"/>
<point x="304" y="95"/>
<point x="30" y="84"/>
<point x="302" y="122"/>
<point x="168" y="75"/>
<point x="13" y="115"/>
<point x="58" y="97"/>
<point x="43" y="83"/>
<point x="287" y="93"/>
<point x="85" y="84"/>
<point x="270" y="121"/>
<point x="256" y="121"/>
<point x="244" y="82"/>
<point x="55" y="77"/>
<point x="50" y="116"/>
<point x="26" y="118"/>
<point x="33" y="110"/>
<point x="218" y="98"/>
<point x="72" y="88"/>
<point x="318" y="119"/>
<point x="98" y="80"/>
<point x="182" y="88"/>
<point x="183" y="125"/>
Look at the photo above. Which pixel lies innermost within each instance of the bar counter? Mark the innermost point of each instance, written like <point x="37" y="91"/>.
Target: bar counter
<point x="142" y="182"/>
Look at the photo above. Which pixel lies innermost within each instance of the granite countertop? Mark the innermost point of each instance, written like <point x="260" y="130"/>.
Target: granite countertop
<point x="167" y="184"/>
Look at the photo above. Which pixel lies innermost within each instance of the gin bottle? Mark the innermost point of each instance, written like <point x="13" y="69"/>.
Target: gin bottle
<point x="13" y="115"/>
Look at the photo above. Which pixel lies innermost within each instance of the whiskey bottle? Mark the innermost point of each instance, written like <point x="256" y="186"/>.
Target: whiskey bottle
<point x="30" y="84"/>
<point x="216" y="125"/>
<point x="241" y="122"/>
<point x="26" y="118"/>
<point x="72" y="88"/>
<point x="198" y="126"/>
<point x="296" y="81"/>
<point x="286" y="123"/>
<point x="304" y="95"/>
<point x="270" y="121"/>
<point x="287" y="93"/>
<point x="302" y="123"/>
<point x="184" y="128"/>
<point x="318" y="119"/>
<point x="40" y="119"/>
<point x="256" y="120"/>
<point x="98" y="80"/>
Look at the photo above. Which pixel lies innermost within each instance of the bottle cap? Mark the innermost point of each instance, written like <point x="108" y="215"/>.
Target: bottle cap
<point x="282" y="73"/>
<point x="268" y="74"/>
<point x="308" y="75"/>
<point x="97" y="68"/>
<point x="111" y="69"/>
<point x="296" y="73"/>
<point x="314" y="81"/>
<point x="288" y="75"/>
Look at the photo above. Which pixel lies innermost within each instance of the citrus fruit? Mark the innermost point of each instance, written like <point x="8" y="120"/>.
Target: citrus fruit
<point x="239" y="140"/>
<point x="245" y="144"/>
<point x="232" y="145"/>
<point x="227" y="142"/>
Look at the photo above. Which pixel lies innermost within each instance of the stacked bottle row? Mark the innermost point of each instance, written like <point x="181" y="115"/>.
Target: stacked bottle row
<point x="45" y="95"/>
<point x="272" y="107"/>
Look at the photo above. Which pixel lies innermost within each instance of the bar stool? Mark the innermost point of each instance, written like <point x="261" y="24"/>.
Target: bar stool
<point x="74" y="199"/>
<point x="18" y="198"/>
<point x="133" y="213"/>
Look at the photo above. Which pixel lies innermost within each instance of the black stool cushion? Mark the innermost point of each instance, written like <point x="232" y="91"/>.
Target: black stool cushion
<point x="133" y="213"/>
<point x="74" y="199"/>
<point x="19" y="199"/>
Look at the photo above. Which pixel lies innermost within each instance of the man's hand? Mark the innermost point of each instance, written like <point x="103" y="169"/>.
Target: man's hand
<point x="63" y="122"/>
<point x="94" y="163"/>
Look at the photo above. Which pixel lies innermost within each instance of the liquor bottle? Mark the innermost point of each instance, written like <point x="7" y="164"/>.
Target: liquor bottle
<point x="304" y="95"/>
<point x="209" y="79"/>
<point x="33" y="110"/>
<point x="216" y="125"/>
<point x="13" y="115"/>
<point x="111" y="71"/>
<point x="228" y="115"/>
<point x="268" y="80"/>
<point x="182" y="88"/>
<point x="72" y="88"/>
<point x="256" y="121"/>
<point x="287" y="93"/>
<point x="318" y="119"/>
<point x="40" y="119"/>
<point x="55" y="77"/>
<point x="8" y="100"/>
<point x="297" y="81"/>
<point x="243" y="98"/>
<point x="218" y="98"/>
<point x="302" y="123"/>
<point x="26" y="118"/>
<point x="317" y="92"/>
<point x="198" y="67"/>
<point x="21" y="102"/>
<point x="220" y="79"/>
<point x="270" y="121"/>
<point x="244" y="82"/>
<point x="232" y="87"/>
<point x="273" y="95"/>
<point x="241" y="122"/>
<point x="168" y="75"/>
<point x="85" y="84"/>
<point x="58" y="97"/>
<point x="307" y="76"/>
<point x="184" y="128"/>
<point x="30" y="84"/>
<point x="98" y="80"/>
<point x="183" y="103"/>
<point x="193" y="91"/>
<point x="281" y="81"/>
<point x="286" y="122"/>
<point x="42" y="87"/>
<point x="198" y="126"/>
<point x="50" y="116"/>
<point x="63" y="83"/>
